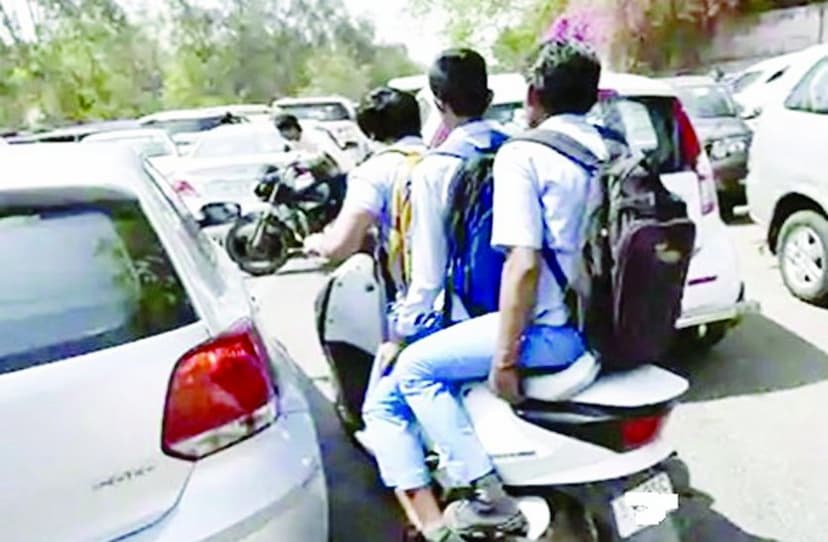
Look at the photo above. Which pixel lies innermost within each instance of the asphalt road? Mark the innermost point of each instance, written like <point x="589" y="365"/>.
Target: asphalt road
<point x="752" y="432"/>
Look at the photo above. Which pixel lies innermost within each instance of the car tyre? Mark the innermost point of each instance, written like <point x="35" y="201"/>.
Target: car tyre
<point x="802" y="250"/>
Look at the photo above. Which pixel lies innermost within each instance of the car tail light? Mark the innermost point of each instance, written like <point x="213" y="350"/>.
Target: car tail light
<point x="221" y="393"/>
<point x="693" y="154"/>
<point x="184" y="188"/>
<point x="637" y="432"/>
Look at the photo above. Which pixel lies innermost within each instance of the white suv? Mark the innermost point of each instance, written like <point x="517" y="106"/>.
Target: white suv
<point x="787" y="186"/>
<point x="651" y="116"/>
<point x="139" y="400"/>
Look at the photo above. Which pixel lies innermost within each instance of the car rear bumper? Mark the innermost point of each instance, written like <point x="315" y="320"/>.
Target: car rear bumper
<point x="715" y="290"/>
<point x="270" y="487"/>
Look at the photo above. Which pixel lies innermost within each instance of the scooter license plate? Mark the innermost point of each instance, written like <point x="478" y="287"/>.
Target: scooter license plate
<point x="645" y="505"/>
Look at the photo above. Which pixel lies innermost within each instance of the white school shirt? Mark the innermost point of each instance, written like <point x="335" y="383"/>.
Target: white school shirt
<point x="540" y="196"/>
<point x="429" y="209"/>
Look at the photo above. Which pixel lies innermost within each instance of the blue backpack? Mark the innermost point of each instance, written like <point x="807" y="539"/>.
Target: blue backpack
<point x="474" y="267"/>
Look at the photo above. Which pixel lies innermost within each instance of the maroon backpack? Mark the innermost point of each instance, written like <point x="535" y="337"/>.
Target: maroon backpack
<point x="636" y="253"/>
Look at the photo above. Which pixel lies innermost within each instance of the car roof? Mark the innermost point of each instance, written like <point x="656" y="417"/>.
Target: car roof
<point x="690" y="81"/>
<point x="182" y="114"/>
<point x="408" y="82"/>
<point x="253" y="127"/>
<point x="311" y="100"/>
<point x="68" y="165"/>
<point x="116" y="134"/>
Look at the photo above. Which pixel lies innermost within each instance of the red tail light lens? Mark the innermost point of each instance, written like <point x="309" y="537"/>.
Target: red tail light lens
<point x="184" y="188"/>
<point x="637" y="432"/>
<point x="693" y="154"/>
<point x="221" y="392"/>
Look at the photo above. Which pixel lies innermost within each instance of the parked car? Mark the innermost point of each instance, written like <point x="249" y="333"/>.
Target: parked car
<point x="336" y="113"/>
<point x="751" y="86"/>
<point x="725" y="135"/>
<point x="151" y="143"/>
<point x="409" y="83"/>
<point x="186" y="125"/>
<point x="787" y="186"/>
<point x="650" y="115"/>
<point x="227" y="163"/>
<point x="69" y="134"/>
<point x="509" y="91"/>
<point x="145" y="401"/>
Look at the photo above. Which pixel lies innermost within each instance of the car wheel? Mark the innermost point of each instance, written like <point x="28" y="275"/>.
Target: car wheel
<point x="700" y="339"/>
<point x="803" y="256"/>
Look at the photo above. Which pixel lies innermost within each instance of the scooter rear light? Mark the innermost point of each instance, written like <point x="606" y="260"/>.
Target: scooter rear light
<point x="636" y="432"/>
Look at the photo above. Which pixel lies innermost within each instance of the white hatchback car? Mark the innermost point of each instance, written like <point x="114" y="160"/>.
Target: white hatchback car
<point x="138" y="398"/>
<point x="649" y="114"/>
<point x="787" y="186"/>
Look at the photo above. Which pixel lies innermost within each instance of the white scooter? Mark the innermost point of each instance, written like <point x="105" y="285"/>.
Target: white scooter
<point x="585" y="444"/>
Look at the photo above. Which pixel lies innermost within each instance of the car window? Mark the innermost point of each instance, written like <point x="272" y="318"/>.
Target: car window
<point x="317" y="111"/>
<point x="811" y="93"/>
<point x="706" y="101"/>
<point x="644" y="121"/>
<point x="181" y="126"/>
<point x="222" y="144"/>
<point x="503" y="113"/>
<point x="195" y="237"/>
<point x="745" y="80"/>
<point x="99" y="278"/>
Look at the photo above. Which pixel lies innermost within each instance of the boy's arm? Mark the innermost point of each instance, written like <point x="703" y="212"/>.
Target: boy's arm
<point x="518" y="228"/>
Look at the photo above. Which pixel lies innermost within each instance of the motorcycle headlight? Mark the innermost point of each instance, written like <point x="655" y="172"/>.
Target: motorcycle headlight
<point x="736" y="145"/>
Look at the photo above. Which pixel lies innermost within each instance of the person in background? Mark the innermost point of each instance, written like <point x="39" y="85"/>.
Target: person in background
<point x="314" y="141"/>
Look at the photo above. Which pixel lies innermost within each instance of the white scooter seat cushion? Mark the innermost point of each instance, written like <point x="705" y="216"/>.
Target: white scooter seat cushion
<point x="564" y="384"/>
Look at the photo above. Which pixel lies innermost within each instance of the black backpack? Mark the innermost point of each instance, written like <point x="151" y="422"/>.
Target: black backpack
<point x="637" y="248"/>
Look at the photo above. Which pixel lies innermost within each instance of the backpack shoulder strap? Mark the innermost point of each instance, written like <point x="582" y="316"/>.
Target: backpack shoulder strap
<point x="563" y="144"/>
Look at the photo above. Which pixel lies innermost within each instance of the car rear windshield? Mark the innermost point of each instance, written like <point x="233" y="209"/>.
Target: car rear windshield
<point x="224" y="144"/>
<point x="707" y="101"/>
<point x="648" y="123"/>
<point x="317" y="111"/>
<point x="81" y="275"/>
<point x="186" y="126"/>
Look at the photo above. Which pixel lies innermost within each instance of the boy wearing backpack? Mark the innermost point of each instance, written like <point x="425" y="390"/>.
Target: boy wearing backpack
<point x="540" y="197"/>
<point x="391" y="117"/>
<point x="459" y="82"/>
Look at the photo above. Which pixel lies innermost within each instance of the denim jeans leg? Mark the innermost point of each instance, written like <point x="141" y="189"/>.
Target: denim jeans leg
<point x="429" y="371"/>
<point x="394" y="437"/>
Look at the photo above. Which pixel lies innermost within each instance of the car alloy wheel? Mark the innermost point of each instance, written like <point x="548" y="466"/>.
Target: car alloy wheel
<point x="803" y="256"/>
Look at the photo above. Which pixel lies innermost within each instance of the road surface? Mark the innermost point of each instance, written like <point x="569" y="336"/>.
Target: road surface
<point x="752" y="432"/>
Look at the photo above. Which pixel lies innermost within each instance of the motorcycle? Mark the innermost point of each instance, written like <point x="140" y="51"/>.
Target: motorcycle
<point x="584" y="449"/>
<point x="299" y="200"/>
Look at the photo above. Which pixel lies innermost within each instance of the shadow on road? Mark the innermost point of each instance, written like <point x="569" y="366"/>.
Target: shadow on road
<point x="695" y="520"/>
<point x="361" y="510"/>
<point x="759" y="356"/>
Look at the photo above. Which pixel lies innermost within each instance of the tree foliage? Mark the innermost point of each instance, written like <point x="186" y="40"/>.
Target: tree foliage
<point x="91" y="59"/>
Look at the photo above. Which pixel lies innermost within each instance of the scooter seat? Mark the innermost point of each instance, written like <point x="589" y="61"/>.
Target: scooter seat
<point x="563" y="384"/>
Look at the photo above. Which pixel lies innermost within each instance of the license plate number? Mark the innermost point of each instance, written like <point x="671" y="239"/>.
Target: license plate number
<point x="645" y="505"/>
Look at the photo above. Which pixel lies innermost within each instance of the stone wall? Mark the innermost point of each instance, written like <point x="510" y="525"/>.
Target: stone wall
<point x="769" y="34"/>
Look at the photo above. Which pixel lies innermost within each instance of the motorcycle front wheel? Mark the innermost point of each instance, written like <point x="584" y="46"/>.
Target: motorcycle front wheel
<point x="270" y="254"/>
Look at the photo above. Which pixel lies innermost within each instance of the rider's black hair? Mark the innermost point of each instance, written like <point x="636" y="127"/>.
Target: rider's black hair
<point x="388" y="114"/>
<point x="284" y="121"/>
<point x="565" y="75"/>
<point x="459" y="78"/>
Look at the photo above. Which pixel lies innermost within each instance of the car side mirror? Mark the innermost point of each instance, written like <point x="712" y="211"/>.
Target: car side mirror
<point x="217" y="214"/>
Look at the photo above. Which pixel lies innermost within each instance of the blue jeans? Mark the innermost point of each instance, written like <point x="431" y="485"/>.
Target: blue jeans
<point x="420" y="393"/>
